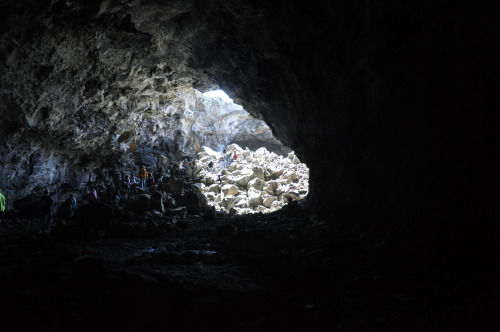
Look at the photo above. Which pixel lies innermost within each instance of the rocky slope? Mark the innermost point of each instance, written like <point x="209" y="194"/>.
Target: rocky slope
<point x="159" y="135"/>
<point x="257" y="181"/>
<point x="91" y="89"/>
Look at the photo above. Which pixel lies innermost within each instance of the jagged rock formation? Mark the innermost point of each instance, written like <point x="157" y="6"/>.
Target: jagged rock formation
<point x="257" y="181"/>
<point x="400" y="97"/>
<point x="211" y="121"/>
<point x="393" y="93"/>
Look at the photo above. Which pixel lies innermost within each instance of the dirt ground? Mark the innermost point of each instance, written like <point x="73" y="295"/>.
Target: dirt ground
<point x="277" y="272"/>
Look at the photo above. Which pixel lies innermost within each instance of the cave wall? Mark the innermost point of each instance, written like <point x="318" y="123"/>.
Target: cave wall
<point x="385" y="102"/>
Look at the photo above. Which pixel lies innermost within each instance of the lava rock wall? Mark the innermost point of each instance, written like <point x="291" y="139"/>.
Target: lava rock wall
<point x="391" y="95"/>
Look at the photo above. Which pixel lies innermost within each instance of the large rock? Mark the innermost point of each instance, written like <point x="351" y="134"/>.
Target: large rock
<point x="230" y="189"/>
<point x="256" y="184"/>
<point x="228" y="202"/>
<point x="268" y="201"/>
<point x="194" y="201"/>
<point x="277" y="205"/>
<point x="242" y="203"/>
<point x="259" y="172"/>
<point x="162" y="161"/>
<point x="242" y="181"/>
<point x="292" y="196"/>
<point x="156" y="202"/>
<point x="271" y="187"/>
<point x="254" y="198"/>
<point x="234" y="147"/>
<point x="139" y="203"/>
<point x="177" y="212"/>
<point x="215" y="188"/>
<point x="274" y="174"/>
<point x="173" y="187"/>
<point x="168" y="201"/>
<point x="210" y="196"/>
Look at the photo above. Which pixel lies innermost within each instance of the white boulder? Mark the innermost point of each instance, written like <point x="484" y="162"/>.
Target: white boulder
<point x="230" y="189"/>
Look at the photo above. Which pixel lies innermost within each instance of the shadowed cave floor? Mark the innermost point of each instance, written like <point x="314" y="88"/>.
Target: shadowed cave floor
<point x="279" y="272"/>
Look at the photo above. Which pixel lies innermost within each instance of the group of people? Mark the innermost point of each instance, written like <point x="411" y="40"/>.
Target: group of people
<point x="185" y="168"/>
<point x="225" y="160"/>
<point x="135" y="183"/>
<point x="143" y="179"/>
<point x="130" y="186"/>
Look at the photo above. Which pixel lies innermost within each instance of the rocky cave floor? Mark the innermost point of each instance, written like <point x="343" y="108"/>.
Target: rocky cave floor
<point x="263" y="272"/>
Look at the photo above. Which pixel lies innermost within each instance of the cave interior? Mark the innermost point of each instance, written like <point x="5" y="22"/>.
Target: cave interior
<point x="390" y="105"/>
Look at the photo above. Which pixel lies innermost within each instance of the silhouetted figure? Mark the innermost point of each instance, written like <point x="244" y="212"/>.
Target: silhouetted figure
<point x="127" y="184"/>
<point x="46" y="205"/>
<point x="109" y="193"/>
<point x="2" y="201"/>
<point x="143" y="176"/>
<point x="158" y="174"/>
<point x="70" y="206"/>
<point x="151" y="179"/>
<point x="135" y="182"/>
<point x="211" y="167"/>
<point x="182" y="170"/>
<point x="93" y="197"/>
<point x="222" y="160"/>
<point x="117" y="197"/>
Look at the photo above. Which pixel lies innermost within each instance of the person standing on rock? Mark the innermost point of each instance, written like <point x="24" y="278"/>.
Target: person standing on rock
<point x="182" y="170"/>
<point x="192" y="165"/>
<point x="127" y="184"/>
<point x="2" y="201"/>
<point x="227" y="157"/>
<point x="73" y="205"/>
<point x="211" y="167"/>
<point x="151" y="179"/>
<point x="157" y="174"/>
<point x="46" y="203"/>
<point x="235" y="156"/>
<point x="109" y="193"/>
<point x="69" y="206"/>
<point x="143" y="176"/>
<point x="134" y="183"/>
<point x="222" y="160"/>
<point x="94" y="198"/>
<point x="117" y="196"/>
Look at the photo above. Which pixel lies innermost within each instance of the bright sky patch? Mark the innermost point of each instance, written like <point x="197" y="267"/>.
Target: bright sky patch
<point x="218" y="94"/>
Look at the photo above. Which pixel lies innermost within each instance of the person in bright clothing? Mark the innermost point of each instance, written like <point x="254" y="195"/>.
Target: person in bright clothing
<point x="2" y="201"/>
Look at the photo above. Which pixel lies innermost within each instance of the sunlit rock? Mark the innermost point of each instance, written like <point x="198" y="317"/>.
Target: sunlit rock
<point x="268" y="201"/>
<point x="262" y="182"/>
<point x="229" y="189"/>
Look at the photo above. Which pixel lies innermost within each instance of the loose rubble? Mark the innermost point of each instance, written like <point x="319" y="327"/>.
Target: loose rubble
<point x="257" y="181"/>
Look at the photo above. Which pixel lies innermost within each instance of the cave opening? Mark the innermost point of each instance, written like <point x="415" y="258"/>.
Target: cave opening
<point x="242" y="168"/>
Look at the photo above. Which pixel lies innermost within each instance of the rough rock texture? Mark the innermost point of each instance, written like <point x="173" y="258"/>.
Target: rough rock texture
<point x="257" y="181"/>
<point x="393" y="105"/>
<point x="393" y="94"/>
<point x="127" y="99"/>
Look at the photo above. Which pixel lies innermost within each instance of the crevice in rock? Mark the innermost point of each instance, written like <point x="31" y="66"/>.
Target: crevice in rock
<point x="127" y="25"/>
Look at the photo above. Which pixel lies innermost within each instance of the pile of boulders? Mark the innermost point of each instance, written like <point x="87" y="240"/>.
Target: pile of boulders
<point x="257" y="181"/>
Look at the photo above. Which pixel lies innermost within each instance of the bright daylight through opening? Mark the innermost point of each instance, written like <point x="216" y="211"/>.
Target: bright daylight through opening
<point x="241" y="168"/>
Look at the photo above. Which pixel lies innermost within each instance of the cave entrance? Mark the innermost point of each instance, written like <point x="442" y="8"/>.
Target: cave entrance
<point x="242" y="167"/>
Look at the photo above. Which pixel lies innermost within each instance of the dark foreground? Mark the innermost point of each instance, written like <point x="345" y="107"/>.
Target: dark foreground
<point x="280" y="272"/>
